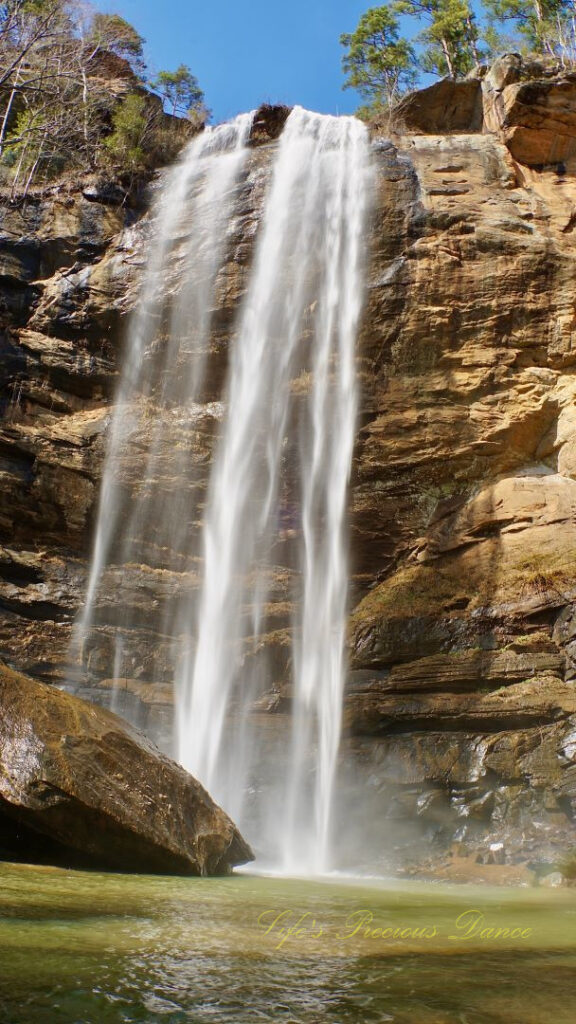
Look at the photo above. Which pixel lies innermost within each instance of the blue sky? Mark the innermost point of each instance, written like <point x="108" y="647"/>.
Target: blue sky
<point x="253" y="51"/>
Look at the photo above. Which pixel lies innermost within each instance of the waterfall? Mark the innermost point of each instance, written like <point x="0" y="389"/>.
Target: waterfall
<point x="274" y="517"/>
<point x="300" y="316"/>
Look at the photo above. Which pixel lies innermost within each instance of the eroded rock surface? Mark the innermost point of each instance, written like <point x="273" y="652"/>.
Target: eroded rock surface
<point x="532" y="106"/>
<point x="446" y="106"/>
<point x="465" y="502"/>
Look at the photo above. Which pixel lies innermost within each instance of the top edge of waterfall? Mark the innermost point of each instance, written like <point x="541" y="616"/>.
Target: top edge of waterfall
<point x="225" y="137"/>
<point x="235" y="133"/>
<point x="298" y="110"/>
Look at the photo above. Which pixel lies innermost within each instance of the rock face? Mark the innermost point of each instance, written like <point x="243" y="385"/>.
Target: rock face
<point x="100" y="792"/>
<point x="529" y="104"/>
<point x="460" y="714"/>
<point x="464" y="500"/>
<point x="533" y="107"/>
<point x="446" y="106"/>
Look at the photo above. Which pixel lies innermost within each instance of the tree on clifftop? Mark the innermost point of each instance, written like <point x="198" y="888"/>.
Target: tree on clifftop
<point x="56" y="105"/>
<point x="181" y="91"/>
<point x="379" y="63"/>
<point x="113" y="33"/>
<point x="547" y="26"/>
<point x="450" y="40"/>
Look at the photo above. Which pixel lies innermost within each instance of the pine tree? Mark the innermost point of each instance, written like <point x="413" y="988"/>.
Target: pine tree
<point x="181" y="91"/>
<point x="379" y="63"/>
<point x="450" y="40"/>
<point x="545" y="26"/>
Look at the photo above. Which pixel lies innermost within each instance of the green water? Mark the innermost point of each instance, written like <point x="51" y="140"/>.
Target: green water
<point x="84" y="948"/>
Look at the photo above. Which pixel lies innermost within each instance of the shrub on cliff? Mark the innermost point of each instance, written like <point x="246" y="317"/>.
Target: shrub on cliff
<point x="126" y="144"/>
<point x="142" y="137"/>
<point x="69" y="82"/>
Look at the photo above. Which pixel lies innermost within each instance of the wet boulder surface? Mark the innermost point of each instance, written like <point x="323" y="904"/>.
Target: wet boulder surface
<point x="81" y="787"/>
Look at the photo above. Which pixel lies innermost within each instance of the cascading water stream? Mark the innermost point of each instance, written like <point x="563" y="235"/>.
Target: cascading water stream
<point x="162" y="373"/>
<point x="326" y="449"/>
<point x="280" y="469"/>
<point x="300" y="316"/>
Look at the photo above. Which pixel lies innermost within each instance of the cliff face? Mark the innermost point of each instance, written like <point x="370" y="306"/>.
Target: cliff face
<point x="465" y="487"/>
<point x="461" y="706"/>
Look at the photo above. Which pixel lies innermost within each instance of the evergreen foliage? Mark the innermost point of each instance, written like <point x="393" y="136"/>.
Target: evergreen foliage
<point x="181" y="92"/>
<point x="544" y="26"/>
<point x="379" y="63"/>
<point x="449" y="40"/>
<point x="130" y="122"/>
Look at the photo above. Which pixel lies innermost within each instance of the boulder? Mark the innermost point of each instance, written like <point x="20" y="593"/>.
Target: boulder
<point x="269" y="120"/>
<point x="533" y="109"/>
<point x="99" y="792"/>
<point x="446" y="106"/>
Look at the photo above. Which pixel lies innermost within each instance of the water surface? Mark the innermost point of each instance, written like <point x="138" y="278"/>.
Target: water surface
<point x="87" y="948"/>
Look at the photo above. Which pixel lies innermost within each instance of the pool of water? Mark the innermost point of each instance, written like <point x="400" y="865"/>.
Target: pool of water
<point x="87" y="948"/>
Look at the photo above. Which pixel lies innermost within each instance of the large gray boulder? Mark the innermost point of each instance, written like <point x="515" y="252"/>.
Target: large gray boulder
<point x="80" y="786"/>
